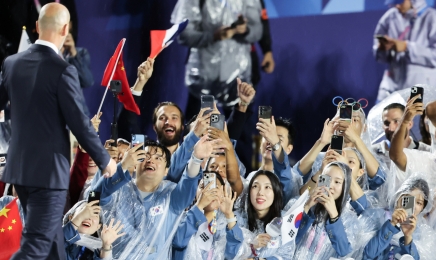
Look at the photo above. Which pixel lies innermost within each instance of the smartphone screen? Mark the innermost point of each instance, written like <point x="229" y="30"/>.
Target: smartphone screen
<point x="217" y="121"/>
<point x="265" y="112"/>
<point x="208" y="101"/>
<point x="345" y="112"/>
<point x="337" y="143"/>
<point x="137" y="139"/>
<point x="415" y="91"/>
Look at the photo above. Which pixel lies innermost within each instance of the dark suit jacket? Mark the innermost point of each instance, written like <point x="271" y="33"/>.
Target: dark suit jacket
<point x="45" y="96"/>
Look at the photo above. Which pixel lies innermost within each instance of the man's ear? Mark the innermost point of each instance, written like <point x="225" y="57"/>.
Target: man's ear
<point x="64" y="31"/>
<point x="70" y="217"/>
<point x="289" y="149"/>
<point x="37" y="27"/>
<point x="166" y="171"/>
<point x="154" y="128"/>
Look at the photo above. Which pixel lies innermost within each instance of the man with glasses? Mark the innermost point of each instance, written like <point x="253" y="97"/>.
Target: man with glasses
<point x="149" y="206"/>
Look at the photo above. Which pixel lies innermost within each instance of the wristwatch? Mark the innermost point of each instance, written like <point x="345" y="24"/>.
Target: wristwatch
<point x="276" y="146"/>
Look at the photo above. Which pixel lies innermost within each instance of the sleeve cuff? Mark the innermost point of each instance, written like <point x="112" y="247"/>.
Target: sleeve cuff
<point x="136" y="93"/>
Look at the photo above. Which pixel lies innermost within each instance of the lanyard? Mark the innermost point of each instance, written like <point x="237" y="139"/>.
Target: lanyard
<point x="82" y="251"/>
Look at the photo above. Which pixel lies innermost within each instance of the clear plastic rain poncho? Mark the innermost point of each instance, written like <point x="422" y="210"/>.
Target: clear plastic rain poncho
<point x="149" y="224"/>
<point x="315" y="244"/>
<point x="213" y="66"/>
<point x="418" y="63"/>
<point x="274" y="248"/>
<point x="88" y="241"/>
<point x="423" y="236"/>
<point x="194" y="252"/>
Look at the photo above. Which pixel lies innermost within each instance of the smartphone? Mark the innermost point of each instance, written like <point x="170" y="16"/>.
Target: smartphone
<point x="380" y="37"/>
<point x="208" y="178"/>
<point x="217" y="121"/>
<point x="345" y="112"/>
<point x="240" y="21"/>
<point x="337" y="143"/>
<point x="3" y="159"/>
<point x="207" y="101"/>
<point x="324" y="181"/>
<point x="94" y="195"/>
<point x="137" y="139"/>
<point x="415" y="91"/>
<point x="265" y="112"/>
<point x="408" y="204"/>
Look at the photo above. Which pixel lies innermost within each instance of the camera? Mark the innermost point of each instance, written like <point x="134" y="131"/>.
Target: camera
<point x="115" y="86"/>
<point x="414" y="90"/>
<point x="214" y="118"/>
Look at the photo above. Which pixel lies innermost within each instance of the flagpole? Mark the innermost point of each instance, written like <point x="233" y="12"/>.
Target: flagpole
<point x="112" y="75"/>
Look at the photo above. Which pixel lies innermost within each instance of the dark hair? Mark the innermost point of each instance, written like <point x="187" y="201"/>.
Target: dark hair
<point x="286" y="123"/>
<point x="151" y="143"/>
<point x="426" y="137"/>
<point x="210" y="159"/>
<point x="393" y="106"/>
<point x="167" y="103"/>
<point x="319" y="208"/>
<point x="276" y="207"/>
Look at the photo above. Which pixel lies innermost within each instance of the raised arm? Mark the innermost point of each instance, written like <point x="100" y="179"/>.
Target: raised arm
<point x="305" y="164"/>
<point x="396" y="152"/>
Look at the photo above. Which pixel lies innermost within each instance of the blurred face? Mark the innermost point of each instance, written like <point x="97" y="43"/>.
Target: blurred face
<point x="219" y="165"/>
<point x="404" y="7"/>
<point x="337" y="180"/>
<point x="92" y="167"/>
<point x="153" y="168"/>
<point x="266" y="147"/>
<point x="168" y="126"/>
<point x="391" y="120"/>
<point x="88" y="226"/>
<point x="419" y="200"/>
<point x="215" y="204"/>
<point x="354" y="164"/>
<point x="262" y="194"/>
<point x="357" y="124"/>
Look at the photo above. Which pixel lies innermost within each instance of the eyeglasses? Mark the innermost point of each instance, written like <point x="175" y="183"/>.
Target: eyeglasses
<point x="155" y="157"/>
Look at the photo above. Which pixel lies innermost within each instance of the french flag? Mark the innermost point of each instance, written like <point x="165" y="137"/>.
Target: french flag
<point x="160" y="39"/>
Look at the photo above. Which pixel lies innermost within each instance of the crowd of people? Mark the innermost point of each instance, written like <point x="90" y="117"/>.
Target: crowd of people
<point x="187" y="194"/>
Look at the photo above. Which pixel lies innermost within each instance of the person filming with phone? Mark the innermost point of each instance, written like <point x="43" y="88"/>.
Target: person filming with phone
<point x="398" y="236"/>
<point x="405" y="39"/>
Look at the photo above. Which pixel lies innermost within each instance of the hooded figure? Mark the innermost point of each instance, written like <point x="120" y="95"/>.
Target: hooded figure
<point x="409" y="48"/>
<point x="214" y="64"/>
<point x="394" y="238"/>
<point x="321" y="235"/>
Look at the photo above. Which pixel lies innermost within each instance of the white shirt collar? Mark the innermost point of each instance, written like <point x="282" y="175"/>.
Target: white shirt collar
<point x="48" y="44"/>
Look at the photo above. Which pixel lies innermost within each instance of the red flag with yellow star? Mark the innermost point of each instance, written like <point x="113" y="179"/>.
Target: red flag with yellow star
<point x="115" y="71"/>
<point x="10" y="230"/>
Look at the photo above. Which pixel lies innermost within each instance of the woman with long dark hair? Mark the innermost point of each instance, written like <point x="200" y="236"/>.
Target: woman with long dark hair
<point x="264" y="203"/>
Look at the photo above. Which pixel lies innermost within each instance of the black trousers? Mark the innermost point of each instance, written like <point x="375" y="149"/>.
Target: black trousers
<point x="42" y="237"/>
